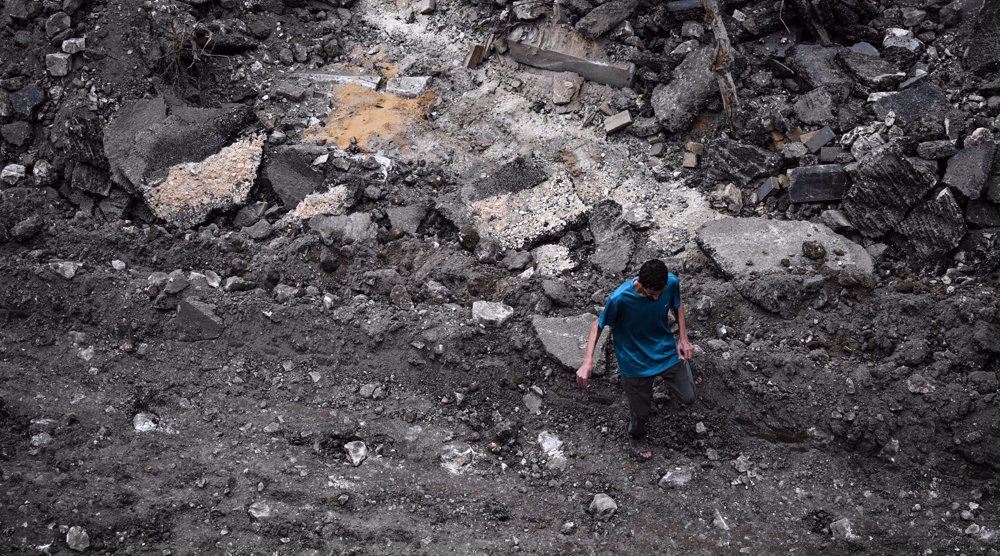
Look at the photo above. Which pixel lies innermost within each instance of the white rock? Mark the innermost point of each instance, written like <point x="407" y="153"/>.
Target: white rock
<point x="260" y="510"/>
<point x="357" y="452"/>
<point x="65" y="269"/>
<point x="118" y="265"/>
<point x="77" y="538"/>
<point x="41" y="440"/>
<point x="214" y="280"/>
<point x="144" y="422"/>
<point x="12" y="173"/>
<point x="74" y="46"/>
<point x="677" y="477"/>
<point x="719" y="522"/>
<point x="456" y="458"/>
<point x="603" y="506"/>
<point x="842" y="529"/>
<point x="491" y="313"/>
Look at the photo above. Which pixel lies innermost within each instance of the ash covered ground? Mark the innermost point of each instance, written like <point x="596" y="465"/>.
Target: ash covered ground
<point x="313" y="276"/>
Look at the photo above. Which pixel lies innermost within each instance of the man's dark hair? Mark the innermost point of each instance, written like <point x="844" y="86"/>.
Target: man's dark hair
<point x="653" y="275"/>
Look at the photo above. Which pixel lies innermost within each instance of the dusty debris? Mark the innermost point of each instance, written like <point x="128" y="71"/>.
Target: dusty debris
<point x="558" y="49"/>
<point x="192" y="190"/>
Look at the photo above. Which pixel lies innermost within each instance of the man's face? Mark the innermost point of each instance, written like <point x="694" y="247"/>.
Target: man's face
<point x="646" y="292"/>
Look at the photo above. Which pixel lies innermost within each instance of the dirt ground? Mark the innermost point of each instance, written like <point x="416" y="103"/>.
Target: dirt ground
<point x="869" y="422"/>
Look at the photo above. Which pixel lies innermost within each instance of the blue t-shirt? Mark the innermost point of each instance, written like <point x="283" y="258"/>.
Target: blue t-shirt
<point x="644" y="343"/>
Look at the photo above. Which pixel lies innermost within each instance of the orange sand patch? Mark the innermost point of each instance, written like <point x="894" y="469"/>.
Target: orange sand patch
<point x="362" y="114"/>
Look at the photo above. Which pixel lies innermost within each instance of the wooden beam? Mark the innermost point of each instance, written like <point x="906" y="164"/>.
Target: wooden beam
<point x="724" y="57"/>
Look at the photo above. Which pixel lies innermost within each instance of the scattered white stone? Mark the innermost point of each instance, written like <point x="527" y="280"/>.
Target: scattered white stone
<point x="214" y="280"/>
<point x="41" y="440"/>
<point x="74" y="46"/>
<point x="700" y="428"/>
<point x="603" y="506"/>
<point x="357" y="452"/>
<point x="408" y="87"/>
<point x="456" y="458"/>
<point x="12" y="173"/>
<point x="118" y="265"/>
<point x="843" y="529"/>
<point x="77" y="538"/>
<point x="65" y="269"/>
<point x="677" y="477"/>
<point x="719" y="522"/>
<point x="491" y="313"/>
<point x="144" y="422"/>
<point x="260" y="510"/>
<point x="552" y="446"/>
<point x="552" y="260"/>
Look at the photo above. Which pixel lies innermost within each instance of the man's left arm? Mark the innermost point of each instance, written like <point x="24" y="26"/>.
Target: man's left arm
<point x="684" y="347"/>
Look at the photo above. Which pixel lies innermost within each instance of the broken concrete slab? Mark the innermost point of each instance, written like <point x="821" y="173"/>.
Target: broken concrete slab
<point x="817" y="66"/>
<point x="983" y="53"/>
<point x="935" y="150"/>
<point x="935" y="227"/>
<point x="886" y="184"/>
<point x="970" y="168"/>
<point x="556" y="48"/>
<point x="192" y="190"/>
<point x="147" y="137"/>
<point x="741" y="162"/>
<point x="517" y="175"/>
<point x="552" y="260"/>
<point x="565" y="339"/>
<point x="339" y="229"/>
<point x="523" y="218"/>
<point x="292" y="173"/>
<point x="332" y="77"/>
<point x="677" y="103"/>
<point x="613" y="237"/>
<point x="197" y="321"/>
<point x="565" y="86"/>
<point x="606" y="17"/>
<point x="757" y="256"/>
<point x="408" y="87"/>
<point x="489" y="313"/>
<point x="407" y="218"/>
<point x="872" y="71"/>
<point x="811" y="184"/>
<point x="733" y="242"/>
<point x="618" y="122"/>
<point x="817" y="107"/>
<point x="923" y="102"/>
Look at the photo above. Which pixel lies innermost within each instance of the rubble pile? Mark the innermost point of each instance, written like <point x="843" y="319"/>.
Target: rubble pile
<point x="306" y="275"/>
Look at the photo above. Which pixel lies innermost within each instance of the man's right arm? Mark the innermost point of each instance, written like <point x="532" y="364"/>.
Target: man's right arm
<point x="583" y="373"/>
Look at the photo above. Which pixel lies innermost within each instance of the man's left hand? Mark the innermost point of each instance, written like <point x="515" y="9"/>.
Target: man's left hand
<point x="685" y="350"/>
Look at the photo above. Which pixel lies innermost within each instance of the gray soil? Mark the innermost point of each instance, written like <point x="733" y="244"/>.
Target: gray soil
<point x="167" y="414"/>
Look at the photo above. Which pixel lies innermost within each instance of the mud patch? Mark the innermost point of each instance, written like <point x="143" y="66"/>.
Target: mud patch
<point x="361" y="115"/>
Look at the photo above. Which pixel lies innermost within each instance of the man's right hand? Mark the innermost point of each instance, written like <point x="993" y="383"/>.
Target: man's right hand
<point x="583" y="374"/>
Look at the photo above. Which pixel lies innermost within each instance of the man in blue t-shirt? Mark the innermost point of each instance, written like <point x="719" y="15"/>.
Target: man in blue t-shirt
<point x="645" y="345"/>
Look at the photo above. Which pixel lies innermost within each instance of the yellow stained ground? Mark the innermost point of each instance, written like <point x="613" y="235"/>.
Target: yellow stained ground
<point x="362" y="114"/>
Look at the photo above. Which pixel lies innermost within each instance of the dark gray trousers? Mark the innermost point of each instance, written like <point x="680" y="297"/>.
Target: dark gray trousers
<point x="639" y="392"/>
